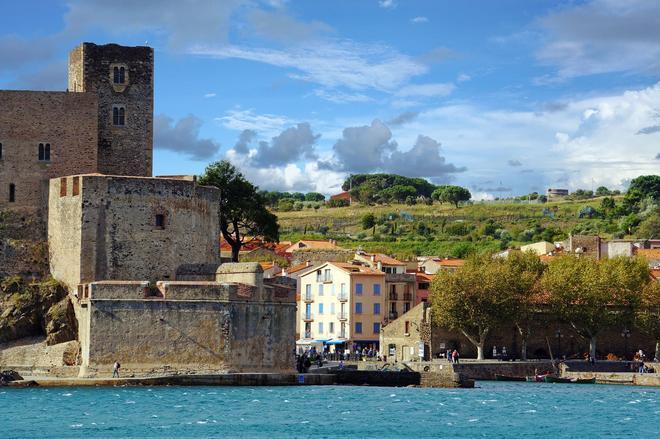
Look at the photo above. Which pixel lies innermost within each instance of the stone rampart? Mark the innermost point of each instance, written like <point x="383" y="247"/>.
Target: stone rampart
<point x="321" y="256"/>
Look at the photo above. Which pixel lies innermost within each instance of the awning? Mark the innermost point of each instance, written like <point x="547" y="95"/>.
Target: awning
<point x="336" y="341"/>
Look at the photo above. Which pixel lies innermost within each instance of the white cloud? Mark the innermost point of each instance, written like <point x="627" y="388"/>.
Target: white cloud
<point x="419" y="20"/>
<point x="209" y="95"/>
<point x="426" y="90"/>
<point x="267" y="124"/>
<point x="387" y="4"/>
<point x="601" y="36"/>
<point x="339" y="97"/>
<point x="463" y="77"/>
<point x="332" y="63"/>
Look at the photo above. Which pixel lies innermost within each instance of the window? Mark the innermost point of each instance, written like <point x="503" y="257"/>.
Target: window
<point x="320" y="308"/>
<point x="320" y="327"/>
<point x="160" y="221"/>
<point x="119" y="75"/>
<point x="118" y="115"/>
<point x="376" y="308"/>
<point x="308" y="290"/>
<point x="407" y="330"/>
<point x="63" y="187"/>
<point x="76" y="186"/>
<point x="331" y="328"/>
<point x="358" y="307"/>
<point x="376" y="289"/>
<point x="44" y="152"/>
<point x="423" y="286"/>
<point x="376" y="328"/>
<point x="328" y="275"/>
<point x="332" y="308"/>
<point x="406" y="307"/>
<point x="358" y="327"/>
<point x="343" y="289"/>
<point x="358" y="289"/>
<point x="12" y="192"/>
<point x="320" y="289"/>
<point x="0" y="150"/>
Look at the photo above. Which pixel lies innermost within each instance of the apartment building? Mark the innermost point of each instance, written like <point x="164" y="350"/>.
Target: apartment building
<point x="342" y="304"/>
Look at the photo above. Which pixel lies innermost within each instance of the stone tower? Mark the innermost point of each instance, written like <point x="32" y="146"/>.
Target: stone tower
<point x="123" y="79"/>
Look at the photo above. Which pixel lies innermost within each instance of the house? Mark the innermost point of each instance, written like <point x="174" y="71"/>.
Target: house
<point x="432" y="266"/>
<point x="652" y="255"/>
<point x="309" y="244"/>
<point x="409" y="337"/>
<point x="294" y="272"/>
<point x="400" y="285"/>
<point x="423" y="287"/>
<point x="270" y="269"/>
<point x="540" y="248"/>
<point x="342" y="305"/>
<point x="342" y="196"/>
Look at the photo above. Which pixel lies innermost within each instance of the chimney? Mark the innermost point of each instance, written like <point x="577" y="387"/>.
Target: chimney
<point x="308" y="263"/>
<point x="380" y="266"/>
<point x="373" y="258"/>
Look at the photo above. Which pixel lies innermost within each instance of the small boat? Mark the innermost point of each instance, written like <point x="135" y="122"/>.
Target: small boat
<point x="556" y="379"/>
<point x="508" y="378"/>
<point x="537" y="378"/>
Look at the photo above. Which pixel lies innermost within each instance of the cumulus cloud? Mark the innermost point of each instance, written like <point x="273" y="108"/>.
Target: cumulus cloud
<point x="463" y="77"/>
<point x="422" y="160"/>
<point x="403" y="118"/>
<point x="514" y="163"/>
<point x="419" y="20"/>
<point x="602" y="36"/>
<point x="209" y="95"/>
<point x="291" y="145"/>
<point x="182" y="136"/>
<point x="387" y="4"/>
<point x="242" y="145"/>
<point x="649" y="130"/>
<point x="267" y="124"/>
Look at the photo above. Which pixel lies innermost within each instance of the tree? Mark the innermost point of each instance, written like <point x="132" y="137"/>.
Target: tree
<point x="242" y="210"/>
<point x="524" y="272"/>
<point x="474" y="299"/>
<point x="593" y="295"/>
<point x="602" y="191"/>
<point x="644" y="186"/>
<point x="368" y="221"/>
<point x="399" y="193"/>
<point x="451" y="194"/>
<point x="314" y="196"/>
<point x="648" y="313"/>
<point x="650" y="227"/>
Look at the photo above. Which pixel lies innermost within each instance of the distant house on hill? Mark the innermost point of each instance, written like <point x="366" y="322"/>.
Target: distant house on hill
<point x="432" y="266"/>
<point x="540" y="248"/>
<point x="308" y="244"/>
<point x="554" y="192"/>
<point x="342" y="196"/>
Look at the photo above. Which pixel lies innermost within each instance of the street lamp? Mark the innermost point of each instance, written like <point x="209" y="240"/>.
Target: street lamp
<point x="626" y="335"/>
<point x="558" y="335"/>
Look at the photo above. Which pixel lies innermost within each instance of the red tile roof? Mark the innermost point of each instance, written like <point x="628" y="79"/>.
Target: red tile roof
<point x="357" y="269"/>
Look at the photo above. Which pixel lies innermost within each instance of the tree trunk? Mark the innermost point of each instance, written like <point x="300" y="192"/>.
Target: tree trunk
<point x="235" y="250"/>
<point x="523" y="343"/>
<point x="480" y="350"/>
<point x="657" y="350"/>
<point x="479" y="343"/>
<point x="592" y="346"/>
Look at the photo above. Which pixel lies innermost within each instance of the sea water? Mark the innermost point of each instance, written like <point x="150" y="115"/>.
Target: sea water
<point x="493" y="409"/>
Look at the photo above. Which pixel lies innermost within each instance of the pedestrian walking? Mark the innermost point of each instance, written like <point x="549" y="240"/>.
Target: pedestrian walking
<point x="454" y="356"/>
<point x="115" y="369"/>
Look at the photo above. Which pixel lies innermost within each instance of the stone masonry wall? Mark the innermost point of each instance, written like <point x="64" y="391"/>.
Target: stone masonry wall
<point x="117" y="231"/>
<point x="68" y="121"/>
<point x="123" y="150"/>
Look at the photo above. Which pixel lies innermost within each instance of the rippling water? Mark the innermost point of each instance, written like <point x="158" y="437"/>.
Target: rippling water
<point x="494" y="409"/>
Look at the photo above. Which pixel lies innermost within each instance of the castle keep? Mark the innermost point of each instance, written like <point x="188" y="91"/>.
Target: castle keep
<point x="139" y="255"/>
<point x="103" y="123"/>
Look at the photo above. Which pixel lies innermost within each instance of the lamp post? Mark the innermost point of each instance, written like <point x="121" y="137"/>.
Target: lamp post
<point x="558" y="335"/>
<point x="626" y="335"/>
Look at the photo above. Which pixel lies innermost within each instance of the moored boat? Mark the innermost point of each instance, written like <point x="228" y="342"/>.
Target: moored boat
<point x="556" y="379"/>
<point x="508" y="378"/>
<point x="537" y="378"/>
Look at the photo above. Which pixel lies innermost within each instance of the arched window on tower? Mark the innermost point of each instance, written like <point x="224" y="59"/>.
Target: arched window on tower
<point x="0" y="150"/>
<point x="122" y="75"/>
<point x="118" y="115"/>
<point x="41" y="152"/>
<point x="44" y="152"/>
<point x="12" y="192"/>
<point x="115" y="75"/>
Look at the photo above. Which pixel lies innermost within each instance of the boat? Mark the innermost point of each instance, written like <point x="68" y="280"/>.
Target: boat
<point x="508" y="378"/>
<point x="556" y="379"/>
<point x="537" y="378"/>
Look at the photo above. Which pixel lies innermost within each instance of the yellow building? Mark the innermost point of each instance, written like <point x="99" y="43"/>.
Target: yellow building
<point x="343" y="304"/>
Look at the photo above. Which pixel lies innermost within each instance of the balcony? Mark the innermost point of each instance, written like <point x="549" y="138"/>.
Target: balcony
<point x="308" y="298"/>
<point x="343" y="297"/>
<point x="393" y="315"/>
<point x="308" y="334"/>
<point x="400" y="278"/>
<point x="343" y="316"/>
<point x="407" y="297"/>
<point x="308" y="317"/>
<point x="342" y="335"/>
<point x="394" y="296"/>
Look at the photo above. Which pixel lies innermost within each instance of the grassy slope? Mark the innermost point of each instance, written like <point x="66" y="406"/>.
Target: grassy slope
<point x="344" y="225"/>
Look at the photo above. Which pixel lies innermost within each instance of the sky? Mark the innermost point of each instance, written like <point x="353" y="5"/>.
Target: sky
<point x="503" y="97"/>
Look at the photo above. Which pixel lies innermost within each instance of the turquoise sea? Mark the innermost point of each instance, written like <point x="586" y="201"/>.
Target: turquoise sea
<point x="494" y="409"/>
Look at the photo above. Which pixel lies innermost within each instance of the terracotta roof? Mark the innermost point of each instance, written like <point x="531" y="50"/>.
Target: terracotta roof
<point x="266" y="265"/>
<point x="357" y="269"/>
<point x="313" y="244"/>
<point x="424" y="277"/>
<point x="341" y="196"/>
<point x="655" y="273"/>
<point x="450" y="262"/>
<point x="383" y="259"/>
<point x="297" y="268"/>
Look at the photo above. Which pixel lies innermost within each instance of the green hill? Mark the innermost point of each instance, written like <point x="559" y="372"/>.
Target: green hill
<point x="420" y="229"/>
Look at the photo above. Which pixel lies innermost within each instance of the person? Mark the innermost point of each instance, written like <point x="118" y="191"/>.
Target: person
<point x="449" y="355"/>
<point x="454" y="356"/>
<point x="115" y="369"/>
<point x="494" y="351"/>
<point x="504" y="357"/>
<point x="641" y="367"/>
<point x="307" y="363"/>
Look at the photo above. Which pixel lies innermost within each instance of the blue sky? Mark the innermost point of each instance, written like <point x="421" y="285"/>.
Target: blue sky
<point x="504" y="97"/>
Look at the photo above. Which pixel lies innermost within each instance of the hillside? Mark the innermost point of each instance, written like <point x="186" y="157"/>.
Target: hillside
<point x="441" y="229"/>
